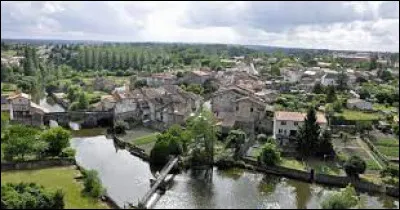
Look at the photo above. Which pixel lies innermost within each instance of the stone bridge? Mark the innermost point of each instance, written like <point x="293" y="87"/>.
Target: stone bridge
<point x="85" y="119"/>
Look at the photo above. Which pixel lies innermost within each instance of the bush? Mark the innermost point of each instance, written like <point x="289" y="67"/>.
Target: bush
<point x="269" y="155"/>
<point x="390" y="170"/>
<point x="355" y="166"/>
<point x="92" y="183"/>
<point x="345" y="199"/>
<point x="30" y="196"/>
<point x="68" y="152"/>
<point x="57" y="138"/>
<point x="120" y="127"/>
<point x="262" y="138"/>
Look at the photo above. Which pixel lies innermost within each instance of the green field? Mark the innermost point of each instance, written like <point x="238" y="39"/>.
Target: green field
<point x="292" y="163"/>
<point x="353" y="115"/>
<point x="382" y="107"/>
<point x="145" y="139"/>
<point x="53" y="178"/>
<point x="388" y="147"/>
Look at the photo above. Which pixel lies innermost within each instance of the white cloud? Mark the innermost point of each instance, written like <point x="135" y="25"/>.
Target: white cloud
<point x="332" y="25"/>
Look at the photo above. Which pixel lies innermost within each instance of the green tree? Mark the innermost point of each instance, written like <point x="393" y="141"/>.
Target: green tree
<point x="331" y="94"/>
<point x="318" y="88"/>
<point x="325" y="146"/>
<point x="269" y="155"/>
<point x="83" y="102"/>
<point x="275" y="70"/>
<point x="57" y="138"/>
<point x="195" y="88"/>
<point x="236" y="138"/>
<point x="344" y="199"/>
<point x="30" y="196"/>
<point x="354" y="166"/>
<point x="308" y="136"/>
<point x="120" y="127"/>
<point x="342" y="80"/>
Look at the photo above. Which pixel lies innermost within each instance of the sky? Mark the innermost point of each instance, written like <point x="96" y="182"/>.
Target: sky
<point x="370" y="26"/>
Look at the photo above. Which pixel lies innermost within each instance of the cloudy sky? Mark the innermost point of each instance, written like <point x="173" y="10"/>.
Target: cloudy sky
<point x="332" y="25"/>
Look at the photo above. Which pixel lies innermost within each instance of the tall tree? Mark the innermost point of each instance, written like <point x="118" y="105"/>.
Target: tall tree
<point x="308" y="136"/>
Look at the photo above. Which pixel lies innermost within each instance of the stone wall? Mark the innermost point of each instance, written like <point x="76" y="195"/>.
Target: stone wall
<point x="338" y="181"/>
<point x="36" y="164"/>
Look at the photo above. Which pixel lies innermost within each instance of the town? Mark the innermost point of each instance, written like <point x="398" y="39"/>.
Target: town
<point x="260" y="104"/>
<point x="199" y="105"/>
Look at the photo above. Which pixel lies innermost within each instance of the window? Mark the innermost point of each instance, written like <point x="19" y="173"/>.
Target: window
<point x="280" y="130"/>
<point x="161" y="117"/>
<point x="283" y="122"/>
<point x="296" y="123"/>
<point x="251" y="109"/>
<point x="237" y="108"/>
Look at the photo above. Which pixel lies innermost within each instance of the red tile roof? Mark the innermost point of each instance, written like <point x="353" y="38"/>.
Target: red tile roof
<point x="297" y="116"/>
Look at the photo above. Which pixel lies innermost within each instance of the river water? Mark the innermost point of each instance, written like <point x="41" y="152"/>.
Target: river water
<point x="126" y="179"/>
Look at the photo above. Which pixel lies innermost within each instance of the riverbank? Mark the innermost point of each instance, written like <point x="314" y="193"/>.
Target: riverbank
<point x="310" y="177"/>
<point x="54" y="178"/>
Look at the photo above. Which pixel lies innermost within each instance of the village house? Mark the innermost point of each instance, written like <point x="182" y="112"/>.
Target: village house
<point x="356" y="103"/>
<point x="286" y="124"/>
<point x="196" y="77"/>
<point x="159" y="107"/>
<point x="330" y="78"/>
<point x="238" y="108"/>
<point x="159" y="79"/>
<point x="103" y="84"/>
<point x="23" y="110"/>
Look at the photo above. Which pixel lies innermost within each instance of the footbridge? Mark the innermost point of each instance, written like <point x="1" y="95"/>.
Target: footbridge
<point x="159" y="183"/>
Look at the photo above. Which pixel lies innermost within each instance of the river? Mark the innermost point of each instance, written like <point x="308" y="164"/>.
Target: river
<point x="126" y="179"/>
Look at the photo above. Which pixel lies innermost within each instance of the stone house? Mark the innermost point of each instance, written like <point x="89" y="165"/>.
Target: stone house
<point x="23" y="110"/>
<point x="330" y="78"/>
<point x="286" y="125"/>
<point x="196" y="77"/>
<point x="103" y="84"/>
<point x="160" y="107"/>
<point x="237" y="108"/>
<point x="356" y="103"/>
<point x="159" y="79"/>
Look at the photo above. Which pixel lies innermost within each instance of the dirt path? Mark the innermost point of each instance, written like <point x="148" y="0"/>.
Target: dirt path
<point x="366" y="149"/>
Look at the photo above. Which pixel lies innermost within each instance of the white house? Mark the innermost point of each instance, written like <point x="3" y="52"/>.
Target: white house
<point x="355" y="103"/>
<point x="329" y="78"/>
<point x="286" y="124"/>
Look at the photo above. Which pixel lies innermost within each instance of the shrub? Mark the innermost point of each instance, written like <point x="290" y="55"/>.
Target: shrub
<point x="30" y="196"/>
<point x="120" y="127"/>
<point x="92" y="183"/>
<point x="355" y="166"/>
<point x="68" y="152"/>
<point x="262" y="138"/>
<point x="345" y="199"/>
<point x="269" y="155"/>
<point x="390" y="170"/>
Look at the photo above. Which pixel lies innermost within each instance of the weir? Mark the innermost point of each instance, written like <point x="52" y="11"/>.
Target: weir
<point x="157" y="184"/>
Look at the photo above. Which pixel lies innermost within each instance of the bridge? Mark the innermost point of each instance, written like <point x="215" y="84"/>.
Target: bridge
<point x="158" y="183"/>
<point x="86" y="119"/>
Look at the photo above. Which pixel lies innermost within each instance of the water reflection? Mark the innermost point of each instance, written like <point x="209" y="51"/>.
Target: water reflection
<point x="126" y="179"/>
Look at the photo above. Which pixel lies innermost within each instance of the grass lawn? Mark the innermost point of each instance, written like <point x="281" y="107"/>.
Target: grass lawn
<point x="372" y="165"/>
<point x="53" y="178"/>
<point x="388" y="147"/>
<point x="354" y="115"/>
<point x="145" y="139"/>
<point x="377" y="106"/>
<point x="389" y="151"/>
<point x="325" y="167"/>
<point x="293" y="164"/>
